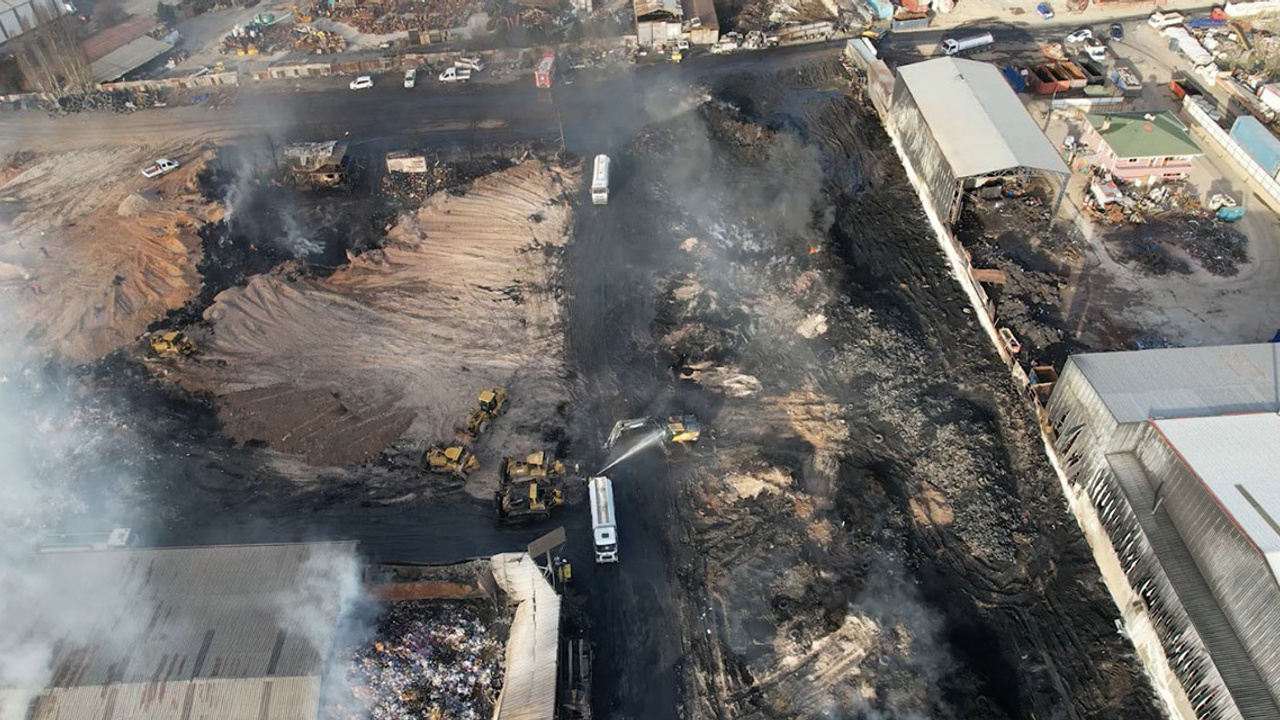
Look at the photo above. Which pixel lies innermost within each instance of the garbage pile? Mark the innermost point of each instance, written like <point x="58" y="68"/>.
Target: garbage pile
<point x="380" y="18"/>
<point x="1158" y="246"/>
<point x="113" y="100"/>
<point x="417" y="186"/>
<point x="262" y="34"/>
<point x="428" y="659"/>
<point x="314" y="41"/>
<point x="1112" y="202"/>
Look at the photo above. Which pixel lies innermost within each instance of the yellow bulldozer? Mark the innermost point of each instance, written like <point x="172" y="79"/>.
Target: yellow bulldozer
<point x="526" y="500"/>
<point x="490" y="404"/>
<point x="453" y="460"/>
<point x="537" y="465"/>
<point x="172" y="343"/>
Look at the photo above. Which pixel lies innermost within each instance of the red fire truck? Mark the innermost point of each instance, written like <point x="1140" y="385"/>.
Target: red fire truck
<point x="545" y="74"/>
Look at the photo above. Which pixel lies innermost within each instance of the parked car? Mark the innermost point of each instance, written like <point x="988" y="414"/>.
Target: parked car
<point x="1117" y="32"/>
<point x="410" y="78"/>
<point x="1079" y="35"/>
<point x="1044" y="11"/>
<point x="364" y="82"/>
<point x="1094" y="48"/>
<point x="163" y="166"/>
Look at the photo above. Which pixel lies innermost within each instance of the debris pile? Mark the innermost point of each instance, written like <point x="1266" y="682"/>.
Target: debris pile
<point x="317" y="42"/>
<point x="380" y="18"/>
<point x="1158" y="247"/>
<point x="113" y="100"/>
<point x="415" y="186"/>
<point x="428" y="659"/>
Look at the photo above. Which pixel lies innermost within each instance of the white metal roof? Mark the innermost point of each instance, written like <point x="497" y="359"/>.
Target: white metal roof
<point x="228" y="632"/>
<point x="1184" y="382"/>
<point x="121" y="61"/>
<point x="977" y="119"/>
<point x="533" y="647"/>
<point x="1237" y="457"/>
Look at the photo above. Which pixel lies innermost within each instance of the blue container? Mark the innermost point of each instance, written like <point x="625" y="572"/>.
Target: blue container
<point x="883" y="8"/>
<point x="1016" y="81"/>
<point x="1258" y="142"/>
<point x="1204" y="23"/>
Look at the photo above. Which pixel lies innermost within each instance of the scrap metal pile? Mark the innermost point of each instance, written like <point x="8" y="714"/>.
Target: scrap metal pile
<point x="428" y="659"/>
<point x="113" y="100"/>
<point x="1158" y="246"/>
<point x="380" y="18"/>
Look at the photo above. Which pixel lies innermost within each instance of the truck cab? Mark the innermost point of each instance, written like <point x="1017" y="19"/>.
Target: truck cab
<point x="604" y="527"/>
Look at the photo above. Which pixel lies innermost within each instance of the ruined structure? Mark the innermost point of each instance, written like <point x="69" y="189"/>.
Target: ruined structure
<point x="1177" y="449"/>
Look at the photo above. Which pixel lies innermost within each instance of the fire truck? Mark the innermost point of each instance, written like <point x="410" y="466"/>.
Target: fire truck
<point x="545" y="74"/>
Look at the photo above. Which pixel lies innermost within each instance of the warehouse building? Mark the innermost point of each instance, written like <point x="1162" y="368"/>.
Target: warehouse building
<point x="229" y="632"/>
<point x="962" y="126"/>
<point x="1179" y="451"/>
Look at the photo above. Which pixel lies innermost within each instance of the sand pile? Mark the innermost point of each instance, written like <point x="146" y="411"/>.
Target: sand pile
<point x="93" y="252"/>
<point x="462" y="297"/>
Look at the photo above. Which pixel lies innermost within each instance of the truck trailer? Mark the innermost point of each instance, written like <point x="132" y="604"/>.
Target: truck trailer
<point x="604" y="524"/>
<point x="967" y="43"/>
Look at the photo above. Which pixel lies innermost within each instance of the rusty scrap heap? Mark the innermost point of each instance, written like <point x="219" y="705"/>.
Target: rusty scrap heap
<point x="428" y="659"/>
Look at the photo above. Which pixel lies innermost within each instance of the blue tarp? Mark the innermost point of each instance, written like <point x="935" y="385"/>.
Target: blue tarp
<point x="1260" y="143"/>
<point x="883" y="8"/>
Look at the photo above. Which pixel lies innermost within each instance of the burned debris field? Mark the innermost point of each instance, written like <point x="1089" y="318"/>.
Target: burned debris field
<point x="867" y="528"/>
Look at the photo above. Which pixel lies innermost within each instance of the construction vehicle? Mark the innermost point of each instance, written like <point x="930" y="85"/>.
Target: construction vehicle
<point x="490" y="404"/>
<point x="676" y="429"/>
<point x="525" y="500"/>
<point x="454" y="459"/>
<point x="537" y="466"/>
<point x="173" y="343"/>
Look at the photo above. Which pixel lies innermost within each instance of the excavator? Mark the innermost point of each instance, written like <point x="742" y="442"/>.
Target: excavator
<point x="525" y="500"/>
<point x="490" y="404"/>
<point x="173" y="343"/>
<point x="454" y="459"/>
<point x="675" y="429"/>
<point x="535" y="465"/>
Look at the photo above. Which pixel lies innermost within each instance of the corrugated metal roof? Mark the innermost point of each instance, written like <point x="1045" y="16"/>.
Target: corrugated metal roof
<point x="15" y="13"/>
<point x="533" y="647"/>
<point x="1237" y="457"/>
<point x="1184" y="382"/>
<point x="126" y="59"/>
<point x="645" y="8"/>
<point x="223" y="632"/>
<point x="977" y="119"/>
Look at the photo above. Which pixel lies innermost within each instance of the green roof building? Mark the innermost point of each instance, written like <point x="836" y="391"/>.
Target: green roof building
<point x="1141" y="146"/>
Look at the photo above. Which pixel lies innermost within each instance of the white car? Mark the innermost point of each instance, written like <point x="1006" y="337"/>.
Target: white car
<point x="1080" y="35"/>
<point x="410" y="78"/>
<point x="364" y="82"/>
<point x="163" y="166"/>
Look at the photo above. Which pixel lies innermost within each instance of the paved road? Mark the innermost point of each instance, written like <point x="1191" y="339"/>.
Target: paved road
<point x="594" y="108"/>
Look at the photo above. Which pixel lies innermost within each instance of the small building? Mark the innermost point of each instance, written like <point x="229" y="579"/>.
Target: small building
<point x="1141" y="147"/>
<point x="962" y="125"/>
<point x="701" y="21"/>
<point x="316" y="164"/>
<point x="1178" y="450"/>
<point x="658" y="22"/>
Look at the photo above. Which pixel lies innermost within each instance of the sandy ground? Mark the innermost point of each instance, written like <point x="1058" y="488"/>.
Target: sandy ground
<point x="91" y="253"/>
<point x="399" y="342"/>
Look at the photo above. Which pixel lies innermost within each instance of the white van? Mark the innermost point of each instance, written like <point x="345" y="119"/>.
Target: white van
<point x="604" y="524"/>
<point x="600" y="181"/>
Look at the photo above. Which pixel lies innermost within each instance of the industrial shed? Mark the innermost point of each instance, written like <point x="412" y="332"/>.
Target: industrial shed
<point x="961" y="125"/>
<point x="1179" y="452"/>
<point x="658" y="22"/>
<point x="229" y="632"/>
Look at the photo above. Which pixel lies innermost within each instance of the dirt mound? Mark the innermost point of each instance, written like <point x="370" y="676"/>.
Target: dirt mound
<point x="92" y="263"/>
<point x="462" y="297"/>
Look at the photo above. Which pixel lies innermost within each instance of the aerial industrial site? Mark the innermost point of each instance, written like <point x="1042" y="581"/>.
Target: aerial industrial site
<point x="571" y="359"/>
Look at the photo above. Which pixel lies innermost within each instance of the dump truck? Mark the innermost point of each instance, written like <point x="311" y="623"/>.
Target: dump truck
<point x="490" y="404"/>
<point x="526" y="500"/>
<point x="172" y="343"/>
<point x="675" y="429"/>
<point x="451" y="460"/>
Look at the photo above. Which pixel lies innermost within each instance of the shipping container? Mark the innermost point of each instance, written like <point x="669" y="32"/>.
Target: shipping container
<point x="1016" y="79"/>
<point x="1258" y="142"/>
<point x="1269" y="94"/>
<point x="1076" y="79"/>
<point x="1095" y="76"/>
<point x="910" y="23"/>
